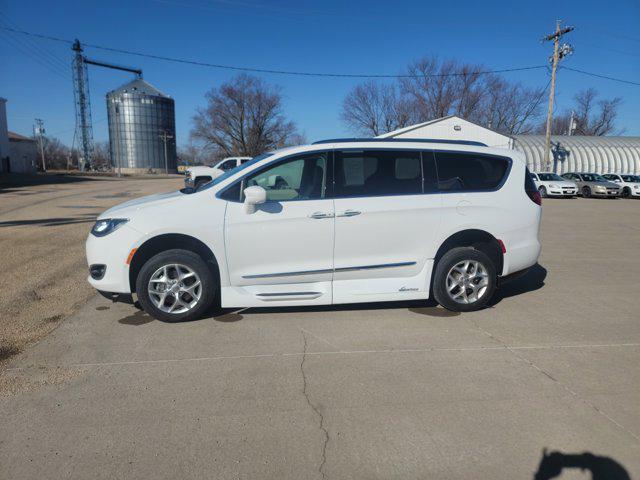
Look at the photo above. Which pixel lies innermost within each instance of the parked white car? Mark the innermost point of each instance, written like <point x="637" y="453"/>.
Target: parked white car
<point x="630" y="184"/>
<point x="551" y="184"/>
<point x="196" y="176"/>
<point x="335" y="222"/>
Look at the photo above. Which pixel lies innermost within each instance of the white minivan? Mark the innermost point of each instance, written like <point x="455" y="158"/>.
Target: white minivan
<point x="338" y="221"/>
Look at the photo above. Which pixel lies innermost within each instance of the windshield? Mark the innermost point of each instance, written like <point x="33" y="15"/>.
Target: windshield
<point x="233" y="171"/>
<point x="548" y="177"/>
<point x="593" y="177"/>
<point x="631" y="178"/>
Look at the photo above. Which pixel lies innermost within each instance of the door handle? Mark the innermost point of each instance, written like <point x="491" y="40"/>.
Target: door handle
<point x="349" y="213"/>
<point x="321" y="215"/>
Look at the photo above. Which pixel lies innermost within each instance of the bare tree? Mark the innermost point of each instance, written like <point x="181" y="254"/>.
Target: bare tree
<point x="373" y="108"/>
<point x="242" y="117"/>
<point x="440" y="88"/>
<point x="101" y="160"/>
<point x="560" y="125"/>
<point x="591" y="116"/>
<point x="55" y="153"/>
<point x="595" y="117"/>
<point x="507" y="107"/>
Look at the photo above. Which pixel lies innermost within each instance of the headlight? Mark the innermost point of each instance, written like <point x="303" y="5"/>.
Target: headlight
<point x="553" y="185"/>
<point x="108" y="225"/>
<point x="600" y="187"/>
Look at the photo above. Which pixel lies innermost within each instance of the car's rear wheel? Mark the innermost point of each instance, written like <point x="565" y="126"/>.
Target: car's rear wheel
<point x="586" y="192"/>
<point x="176" y="286"/>
<point x="543" y="191"/>
<point x="464" y="280"/>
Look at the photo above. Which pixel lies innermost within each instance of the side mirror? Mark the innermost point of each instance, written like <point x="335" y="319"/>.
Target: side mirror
<point x="253" y="196"/>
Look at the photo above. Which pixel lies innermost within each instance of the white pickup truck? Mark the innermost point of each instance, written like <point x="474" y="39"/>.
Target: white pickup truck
<point x="196" y="176"/>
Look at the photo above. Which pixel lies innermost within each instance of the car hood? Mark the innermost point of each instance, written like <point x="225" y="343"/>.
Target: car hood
<point x="562" y="183"/>
<point x="129" y="208"/>
<point x="604" y="184"/>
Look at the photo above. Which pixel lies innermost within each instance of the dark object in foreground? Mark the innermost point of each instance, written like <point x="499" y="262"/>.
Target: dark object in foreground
<point x="601" y="468"/>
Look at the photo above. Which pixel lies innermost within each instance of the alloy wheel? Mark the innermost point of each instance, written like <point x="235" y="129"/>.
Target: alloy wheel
<point x="467" y="281"/>
<point x="175" y="288"/>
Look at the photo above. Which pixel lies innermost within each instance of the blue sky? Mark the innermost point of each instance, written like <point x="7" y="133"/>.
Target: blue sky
<point x="331" y="36"/>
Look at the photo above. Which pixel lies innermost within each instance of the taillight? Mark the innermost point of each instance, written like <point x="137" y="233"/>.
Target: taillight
<point x="530" y="188"/>
<point x="535" y="197"/>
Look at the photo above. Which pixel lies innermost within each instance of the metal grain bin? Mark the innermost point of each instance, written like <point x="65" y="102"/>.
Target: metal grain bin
<point x="140" y="117"/>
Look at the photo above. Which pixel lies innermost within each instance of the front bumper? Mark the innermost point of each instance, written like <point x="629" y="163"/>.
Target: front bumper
<point x="562" y="192"/>
<point x="609" y="192"/>
<point x="112" y="252"/>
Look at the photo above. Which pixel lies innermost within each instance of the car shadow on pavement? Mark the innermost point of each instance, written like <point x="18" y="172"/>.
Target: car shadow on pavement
<point x="422" y="307"/>
<point x="52" y="222"/>
<point x="14" y="181"/>
<point x="601" y="468"/>
<point x="532" y="280"/>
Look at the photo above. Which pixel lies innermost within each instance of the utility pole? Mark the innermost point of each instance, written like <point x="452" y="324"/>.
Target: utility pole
<point x="558" y="53"/>
<point x="117" y="143"/>
<point x="165" y="137"/>
<point x="38" y="131"/>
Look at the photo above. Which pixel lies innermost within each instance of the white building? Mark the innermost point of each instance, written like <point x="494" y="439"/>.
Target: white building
<point x="4" y="137"/>
<point x="452" y="128"/>
<point x="23" y="154"/>
<point x="570" y="153"/>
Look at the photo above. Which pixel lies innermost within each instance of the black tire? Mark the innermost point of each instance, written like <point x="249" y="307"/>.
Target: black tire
<point x="543" y="191"/>
<point x="586" y="192"/>
<point x="208" y="290"/>
<point x="626" y="192"/>
<point x="446" y="264"/>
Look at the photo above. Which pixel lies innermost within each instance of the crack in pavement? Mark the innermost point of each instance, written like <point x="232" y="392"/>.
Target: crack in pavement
<point x="553" y="379"/>
<point x="314" y="408"/>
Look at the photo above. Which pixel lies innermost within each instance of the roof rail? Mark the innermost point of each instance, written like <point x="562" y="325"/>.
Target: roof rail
<point x="400" y="140"/>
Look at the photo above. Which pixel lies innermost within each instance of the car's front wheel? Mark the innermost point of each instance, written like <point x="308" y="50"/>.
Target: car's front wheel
<point x="543" y="191"/>
<point x="626" y="192"/>
<point x="464" y="280"/>
<point x="176" y="286"/>
<point x="586" y="192"/>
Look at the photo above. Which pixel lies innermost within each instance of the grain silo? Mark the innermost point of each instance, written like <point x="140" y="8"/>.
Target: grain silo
<point x="142" y="129"/>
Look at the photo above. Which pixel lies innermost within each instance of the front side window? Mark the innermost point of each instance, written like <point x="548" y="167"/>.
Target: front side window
<point x="459" y="172"/>
<point x="377" y="173"/>
<point x="301" y="178"/>
<point x="228" y="165"/>
<point x="593" y="177"/>
<point x="550" y="177"/>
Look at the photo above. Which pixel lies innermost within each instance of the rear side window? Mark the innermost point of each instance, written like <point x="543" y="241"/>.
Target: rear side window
<point x="460" y="172"/>
<point x="377" y="173"/>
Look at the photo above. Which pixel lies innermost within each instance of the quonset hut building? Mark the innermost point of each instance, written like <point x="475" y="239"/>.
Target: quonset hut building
<point x="139" y="117"/>
<point x="573" y="153"/>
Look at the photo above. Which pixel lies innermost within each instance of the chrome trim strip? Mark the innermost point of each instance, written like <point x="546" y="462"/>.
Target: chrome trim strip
<point x="373" y="267"/>
<point x="287" y="294"/>
<point x="331" y="270"/>
<point x="289" y="274"/>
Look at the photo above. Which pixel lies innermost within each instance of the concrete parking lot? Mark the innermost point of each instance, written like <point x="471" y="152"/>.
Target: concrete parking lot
<point x="368" y="391"/>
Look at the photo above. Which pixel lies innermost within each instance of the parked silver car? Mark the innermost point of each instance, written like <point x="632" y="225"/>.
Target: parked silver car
<point x="593" y="185"/>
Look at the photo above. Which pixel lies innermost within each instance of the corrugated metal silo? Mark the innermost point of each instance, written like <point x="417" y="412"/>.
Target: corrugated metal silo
<point x="139" y="116"/>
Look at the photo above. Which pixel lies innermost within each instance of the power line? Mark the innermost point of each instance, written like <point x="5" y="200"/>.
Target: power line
<point x="48" y="66"/>
<point x="264" y="70"/>
<point x="308" y="74"/>
<point x="601" y="76"/>
<point x="50" y="58"/>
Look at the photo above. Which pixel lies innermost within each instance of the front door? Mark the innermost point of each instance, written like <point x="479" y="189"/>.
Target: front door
<point x="387" y="216"/>
<point x="282" y="254"/>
